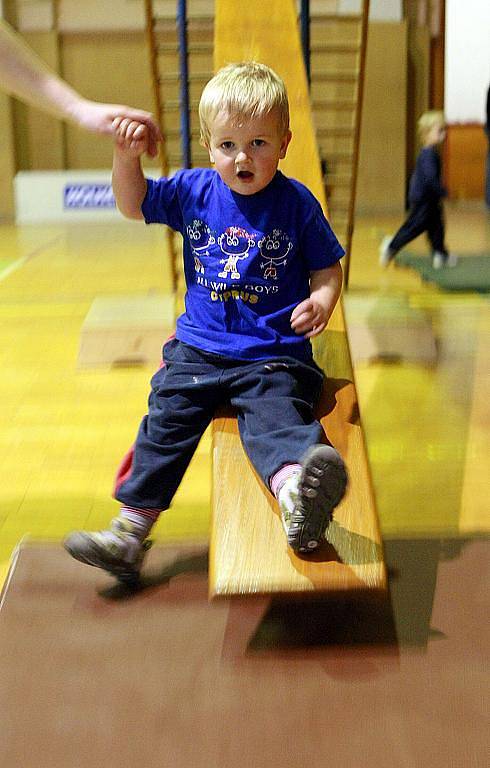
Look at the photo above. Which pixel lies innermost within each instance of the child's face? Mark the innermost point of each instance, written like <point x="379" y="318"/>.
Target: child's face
<point x="435" y="135"/>
<point x="246" y="154"/>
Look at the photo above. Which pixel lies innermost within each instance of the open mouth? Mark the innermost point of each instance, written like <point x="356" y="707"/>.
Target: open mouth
<point x="244" y="175"/>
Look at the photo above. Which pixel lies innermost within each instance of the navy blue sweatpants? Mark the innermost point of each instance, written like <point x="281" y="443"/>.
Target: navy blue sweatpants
<point x="274" y="401"/>
<point x="425" y="216"/>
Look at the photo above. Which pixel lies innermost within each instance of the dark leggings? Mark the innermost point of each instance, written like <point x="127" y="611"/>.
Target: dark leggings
<point x="426" y="216"/>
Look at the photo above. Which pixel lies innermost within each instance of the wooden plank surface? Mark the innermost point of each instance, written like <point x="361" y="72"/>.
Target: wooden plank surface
<point x="248" y="553"/>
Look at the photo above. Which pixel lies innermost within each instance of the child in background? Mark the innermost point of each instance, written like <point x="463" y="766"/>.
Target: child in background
<point x="262" y="277"/>
<point x="425" y="198"/>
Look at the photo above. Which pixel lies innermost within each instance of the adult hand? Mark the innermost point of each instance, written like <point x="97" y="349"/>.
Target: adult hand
<point x="101" y="118"/>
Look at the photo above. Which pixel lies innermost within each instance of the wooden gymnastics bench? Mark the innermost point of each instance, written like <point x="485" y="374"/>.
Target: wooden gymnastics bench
<point x="249" y="557"/>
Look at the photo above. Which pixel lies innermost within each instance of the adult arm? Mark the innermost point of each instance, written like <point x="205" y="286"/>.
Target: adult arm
<point x="25" y="75"/>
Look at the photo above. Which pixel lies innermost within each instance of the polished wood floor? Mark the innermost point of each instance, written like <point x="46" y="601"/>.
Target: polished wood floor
<point x="64" y="429"/>
<point x="426" y="422"/>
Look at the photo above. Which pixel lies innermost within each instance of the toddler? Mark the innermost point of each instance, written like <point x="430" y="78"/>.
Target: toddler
<point x="425" y="195"/>
<point x="262" y="277"/>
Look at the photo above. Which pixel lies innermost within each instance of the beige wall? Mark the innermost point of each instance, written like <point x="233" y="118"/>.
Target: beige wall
<point x="111" y="67"/>
<point x="96" y="15"/>
<point x="39" y="138"/>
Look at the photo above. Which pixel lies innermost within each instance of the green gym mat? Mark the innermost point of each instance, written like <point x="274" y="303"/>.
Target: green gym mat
<point x="471" y="273"/>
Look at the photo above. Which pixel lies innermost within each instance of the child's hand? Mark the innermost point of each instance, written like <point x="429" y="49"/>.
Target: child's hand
<point x="131" y="136"/>
<point x="309" y="318"/>
<point x="100" y="117"/>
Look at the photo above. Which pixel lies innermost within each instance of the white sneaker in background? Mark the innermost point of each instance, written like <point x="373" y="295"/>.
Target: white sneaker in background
<point x="385" y="253"/>
<point x="438" y="260"/>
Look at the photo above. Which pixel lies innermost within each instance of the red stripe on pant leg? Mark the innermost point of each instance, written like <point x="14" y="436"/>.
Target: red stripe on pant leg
<point x="124" y="471"/>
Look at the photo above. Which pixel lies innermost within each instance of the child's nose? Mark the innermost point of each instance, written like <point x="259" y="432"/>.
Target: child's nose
<point x="241" y="156"/>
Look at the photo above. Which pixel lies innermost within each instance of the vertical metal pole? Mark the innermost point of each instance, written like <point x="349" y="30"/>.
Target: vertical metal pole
<point x="184" y="83"/>
<point x="305" y="35"/>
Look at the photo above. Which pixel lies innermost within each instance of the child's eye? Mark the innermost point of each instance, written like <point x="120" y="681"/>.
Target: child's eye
<point x="258" y="143"/>
<point x="227" y="145"/>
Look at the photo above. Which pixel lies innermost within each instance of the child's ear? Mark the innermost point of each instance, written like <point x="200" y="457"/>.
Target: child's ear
<point x="284" y="145"/>
<point x="205" y="144"/>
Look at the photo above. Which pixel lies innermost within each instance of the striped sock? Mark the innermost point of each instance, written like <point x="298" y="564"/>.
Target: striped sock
<point x="279" y="478"/>
<point x="142" y="520"/>
<point x="287" y="497"/>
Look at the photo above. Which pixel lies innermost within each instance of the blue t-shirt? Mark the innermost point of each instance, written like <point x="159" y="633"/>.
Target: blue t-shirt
<point x="247" y="260"/>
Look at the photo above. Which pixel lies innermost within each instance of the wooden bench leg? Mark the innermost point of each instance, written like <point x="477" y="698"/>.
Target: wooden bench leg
<point x="244" y="616"/>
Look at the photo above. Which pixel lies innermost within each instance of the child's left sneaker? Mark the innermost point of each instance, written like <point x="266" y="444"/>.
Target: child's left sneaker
<point x="321" y="486"/>
<point x="117" y="550"/>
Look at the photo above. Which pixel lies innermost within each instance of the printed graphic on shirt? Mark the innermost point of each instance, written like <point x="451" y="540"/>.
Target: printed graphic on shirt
<point x="235" y="243"/>
<point x="267" y="253"/>
<point x="201" y="238"/>
<point x="274" y="249"/>
<point x="250" y="293"/>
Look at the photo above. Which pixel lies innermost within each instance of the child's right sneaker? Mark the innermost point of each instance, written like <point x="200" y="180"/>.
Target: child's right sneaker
<point x="321" y="486"/>
<point x="118" y="550"/>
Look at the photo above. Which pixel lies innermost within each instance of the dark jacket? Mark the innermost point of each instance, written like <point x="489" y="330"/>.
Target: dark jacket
<point x="425" y="182"/>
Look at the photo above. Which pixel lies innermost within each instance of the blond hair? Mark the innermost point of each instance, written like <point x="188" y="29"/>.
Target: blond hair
<point x="427" y="121"/>
<point x="244" y="90"/>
